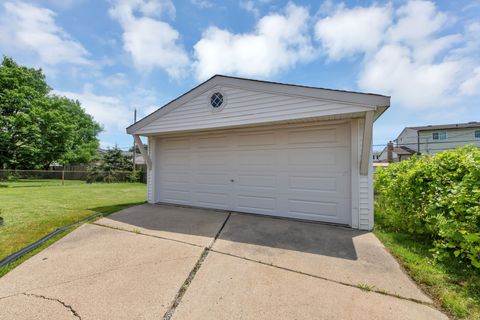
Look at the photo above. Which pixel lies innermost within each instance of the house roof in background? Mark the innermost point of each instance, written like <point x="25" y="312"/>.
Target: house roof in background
<point x="402" y="150"/>
<point x="472" y="124"/>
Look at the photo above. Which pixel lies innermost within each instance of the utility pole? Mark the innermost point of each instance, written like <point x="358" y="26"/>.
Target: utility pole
<point x="134" y="146"/>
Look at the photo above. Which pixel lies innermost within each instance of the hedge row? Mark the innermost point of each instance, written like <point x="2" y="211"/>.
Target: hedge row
<point x="437" y="197"/>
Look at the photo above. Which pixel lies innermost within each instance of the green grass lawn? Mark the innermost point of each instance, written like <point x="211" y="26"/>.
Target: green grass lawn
<point x="33" y="208"/>
<point x="455" y="287"/>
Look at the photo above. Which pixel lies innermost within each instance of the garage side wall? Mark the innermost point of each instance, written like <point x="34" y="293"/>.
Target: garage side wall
<point x="152" y="172"/>
<point x="365" y="191"/>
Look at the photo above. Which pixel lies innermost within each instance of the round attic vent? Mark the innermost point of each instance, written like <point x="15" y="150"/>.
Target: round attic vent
<point x="217" y="100"/>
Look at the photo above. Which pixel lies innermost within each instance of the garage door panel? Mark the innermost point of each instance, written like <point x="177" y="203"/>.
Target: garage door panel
<point x="304" y="136"/>
<point x="208" y="159"/>
<point x="319" y="185"/>
<point x="212" y="142"/>
<point x="319" y="208"/>
<point x="264" y="139"/>
<point x="297" y="172"/>
<point x="324" y="137"/>
<point x="330" y="160"/>
<point x="175" y="196"/>
<point x="256" y="157"/>
<point x="256" y="181"/>
<point x="301" y="183"/>
<point x="212" y="179"/>
<point x="256" y="203"/>
<point x="256" y="161"/>
<point x="218" y="200"/>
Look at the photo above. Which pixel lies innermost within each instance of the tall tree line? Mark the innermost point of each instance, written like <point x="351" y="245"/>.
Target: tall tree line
<point x="38" y="128"/>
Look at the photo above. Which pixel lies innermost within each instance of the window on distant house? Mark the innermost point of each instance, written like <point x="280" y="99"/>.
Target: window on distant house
<point x="440" y="135"/>
<point x="477" y="134"/>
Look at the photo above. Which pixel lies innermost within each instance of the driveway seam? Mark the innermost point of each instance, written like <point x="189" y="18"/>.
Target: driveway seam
<point x="328" y="279"/>
<point x="148" y="235"/>
<point x="183" y="289"/>
<point x="68" y="307"/>
<point x="26" y="292"/>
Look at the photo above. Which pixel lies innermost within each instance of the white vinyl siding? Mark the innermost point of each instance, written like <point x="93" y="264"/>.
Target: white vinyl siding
<point x="365" y="191"/>
<point x="245" y="107"/>
<point x="151" y="171"/>
<point x="456" y="138"/>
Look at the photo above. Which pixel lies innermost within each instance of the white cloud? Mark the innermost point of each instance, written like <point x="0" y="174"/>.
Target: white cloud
<point x="142" y="98"/>
<point x="471" y="86"/>
<point x="151" y="43"/>
<point x="203" y="4"/>
<point x="351" y="31"/>
<point x="279" y="42"/>
<point x="250" y="6"/>
<point x="416" y="22"/>
<point x="147" y="110"/>
<point x="28" y="29"/>
<point x="109" y="111"/>
<point x="117" y="80"/>
<point x="392" y="70"/>
<point x="62" y="4"/>
<point x="405" y="51"/>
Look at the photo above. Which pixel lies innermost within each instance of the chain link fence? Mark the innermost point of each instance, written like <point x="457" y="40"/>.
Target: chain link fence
<point x="78" y="175"/>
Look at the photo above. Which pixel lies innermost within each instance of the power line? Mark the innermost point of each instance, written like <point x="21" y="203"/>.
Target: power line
<point x="428" y="142"/>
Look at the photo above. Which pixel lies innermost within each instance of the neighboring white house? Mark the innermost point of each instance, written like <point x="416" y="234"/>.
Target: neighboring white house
<point x="432" y="139"/>
<point x="265" y="148"/>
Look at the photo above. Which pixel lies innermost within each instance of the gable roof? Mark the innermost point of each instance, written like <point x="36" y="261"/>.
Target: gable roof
<point x="399" y="150"/>
<point x="377" y="102"/>
<point x="472" y="124"/>
<point x="402" y="150"/>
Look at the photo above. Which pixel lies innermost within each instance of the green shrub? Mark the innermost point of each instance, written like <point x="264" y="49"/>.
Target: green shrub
<point x="436" y="197"/>
<point x="12" y="176"/>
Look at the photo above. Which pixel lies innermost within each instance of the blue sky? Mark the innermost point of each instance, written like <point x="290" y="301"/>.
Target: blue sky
<point x="118" y="55"/>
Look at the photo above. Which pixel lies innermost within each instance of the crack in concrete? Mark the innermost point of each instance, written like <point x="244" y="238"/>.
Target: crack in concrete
<point x="357" y="286"/>
<point x="168" y="315"/>
<point x="95" y="274"/>
<point x="183" y="289"/>
<point x="147" y="235"/>
<point x="209" y="248"/>
<point x="69" y="307"/>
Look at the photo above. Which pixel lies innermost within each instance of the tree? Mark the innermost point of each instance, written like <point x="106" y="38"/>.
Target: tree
<point x="111" y="167"/>
<point x="114" y="160"/>
<point x="38" y="128"/>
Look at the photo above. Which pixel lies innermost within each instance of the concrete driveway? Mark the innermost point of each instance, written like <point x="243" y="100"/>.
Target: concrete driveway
<point x="152" y="262"/>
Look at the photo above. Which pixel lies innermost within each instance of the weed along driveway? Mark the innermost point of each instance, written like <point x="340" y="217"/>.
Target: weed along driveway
<point x="152" y="261"/>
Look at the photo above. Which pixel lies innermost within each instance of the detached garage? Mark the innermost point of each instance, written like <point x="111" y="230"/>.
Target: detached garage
<point x="265" y="148"/>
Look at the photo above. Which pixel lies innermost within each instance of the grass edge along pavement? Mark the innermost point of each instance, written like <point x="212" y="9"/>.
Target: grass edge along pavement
<point x="47" y="208"/>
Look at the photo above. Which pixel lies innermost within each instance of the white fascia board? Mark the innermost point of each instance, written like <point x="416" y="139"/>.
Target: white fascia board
<point x="366" y="142"/>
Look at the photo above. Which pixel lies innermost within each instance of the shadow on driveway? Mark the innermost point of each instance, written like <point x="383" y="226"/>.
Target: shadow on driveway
<point x="308" y="237"/>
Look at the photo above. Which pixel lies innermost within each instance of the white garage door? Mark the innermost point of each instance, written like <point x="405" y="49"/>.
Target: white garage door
<point x="298" y="172"/>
